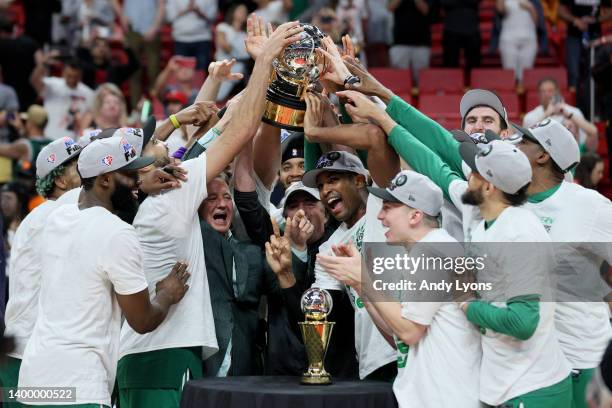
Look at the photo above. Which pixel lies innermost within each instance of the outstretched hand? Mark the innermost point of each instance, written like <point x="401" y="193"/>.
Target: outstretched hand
<point x="278" y="255"/>
<point x="222" y="71"/>
<point x="359" y="106"/>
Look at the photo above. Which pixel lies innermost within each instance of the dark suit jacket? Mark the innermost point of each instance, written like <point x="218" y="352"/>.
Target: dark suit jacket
<point x="236" y="314"/>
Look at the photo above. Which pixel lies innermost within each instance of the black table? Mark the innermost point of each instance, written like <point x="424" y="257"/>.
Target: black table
<point x="285" y="392"/>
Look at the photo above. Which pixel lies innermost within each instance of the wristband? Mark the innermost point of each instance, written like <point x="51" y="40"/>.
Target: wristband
<point x="175" y="122"/>
<point x="351" y="80"/>
<point x="180" y="152"/>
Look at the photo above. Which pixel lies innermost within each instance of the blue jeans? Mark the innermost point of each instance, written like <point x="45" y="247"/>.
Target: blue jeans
<point x="199" y="49"/>
<point x="573" y="56"/>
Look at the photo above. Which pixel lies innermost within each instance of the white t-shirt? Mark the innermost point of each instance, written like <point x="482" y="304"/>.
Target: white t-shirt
<point x="168" y="228"/>
<point x="236" y="40"/>
<point x="517" y="23"/>
<point x="61" y="104"/>
<point x="537" y="114"/>
<point x="582" y="217"/>
<point x="24" y="285"/>
<point x="88" y="256"/>
<point x="373" y="351"/>
<point x="512" y="367"/>
<point x="449" y="353"/>
<point x="470" y="214"/>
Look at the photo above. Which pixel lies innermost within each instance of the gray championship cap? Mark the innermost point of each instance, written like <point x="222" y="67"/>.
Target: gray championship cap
<point x="138" y="137"/>
<point x="110" y="154"/>
<point x="294" y="188"/>
<point x="55" y="154"/>
<point x="499" y="162"/>
<point x="414" y="190"/>
<point x="556" y="139"/>
<point x="478" y="97"/>
<point x="337" y="161"/>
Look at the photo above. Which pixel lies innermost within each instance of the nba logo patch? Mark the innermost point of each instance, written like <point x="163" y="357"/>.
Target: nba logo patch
<point x="51" y="159"/>
<point x="107" y="160"/>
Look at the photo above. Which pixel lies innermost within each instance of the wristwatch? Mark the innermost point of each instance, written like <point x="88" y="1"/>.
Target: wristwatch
<point x="351" y="80"/>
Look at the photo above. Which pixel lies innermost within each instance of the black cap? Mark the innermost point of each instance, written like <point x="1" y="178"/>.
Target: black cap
<point x="294" y="148"/>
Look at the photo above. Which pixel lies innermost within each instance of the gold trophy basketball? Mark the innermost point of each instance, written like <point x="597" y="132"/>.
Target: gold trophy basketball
<point x="295" y="70"/>
<point x="316" y="330"/>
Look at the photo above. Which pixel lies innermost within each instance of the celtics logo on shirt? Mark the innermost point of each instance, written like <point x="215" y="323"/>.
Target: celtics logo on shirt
<point x="547" y="222"/>
<point x="402" y="352"/>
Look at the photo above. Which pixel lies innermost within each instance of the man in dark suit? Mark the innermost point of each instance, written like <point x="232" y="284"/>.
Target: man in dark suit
<point x="238" y="277"/>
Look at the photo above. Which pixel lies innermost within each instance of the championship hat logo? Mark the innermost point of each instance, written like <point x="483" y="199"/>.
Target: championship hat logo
<point x="107" y="160"/>
<point x="51" y="159"/>
<point x="128" y="149"/>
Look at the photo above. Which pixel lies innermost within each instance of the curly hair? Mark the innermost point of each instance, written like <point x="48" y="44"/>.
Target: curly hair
<point x="45" y="185"/>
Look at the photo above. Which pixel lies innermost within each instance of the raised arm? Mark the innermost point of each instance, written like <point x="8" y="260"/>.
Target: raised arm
<point x="249" y="109"/>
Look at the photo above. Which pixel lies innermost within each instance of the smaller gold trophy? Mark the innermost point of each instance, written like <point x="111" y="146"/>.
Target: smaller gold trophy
<point x="316" y="330"/>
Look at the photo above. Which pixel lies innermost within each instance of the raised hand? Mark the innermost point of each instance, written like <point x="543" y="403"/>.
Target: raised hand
<point x="359" y="106"/>
<point x="368" y="84"/>
<point x="257" y="34"/>
<point x="278" y="255"/>
<point x="314" y="113"/>
<point x="300" y="231"/>
<point x="166" y="178"/>
<point x="348" y="49"/>
<point x="197" y="114"/>
<point x="174" y="286"/>
<point x="344" y="265"/>
<point x="336" y="71"/>
<point x="222" y="71"/>
<point x="284" y="35"/>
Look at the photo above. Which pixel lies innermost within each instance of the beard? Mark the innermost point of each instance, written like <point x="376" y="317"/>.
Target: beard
<point x="124" y="203"/>
<point x="472" y="197"/>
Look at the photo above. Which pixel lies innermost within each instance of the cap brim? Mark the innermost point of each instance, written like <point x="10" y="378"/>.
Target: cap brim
<point x="148" y="129"/>
<point x="461" y="136"/>
<point x="108" y="132"/>
<point x="384" y="194"/>
<point x="491" y="136"/>
<point x="138" y="164"/>
<point x="468" y="152"/>
<point x="309" y="179"/>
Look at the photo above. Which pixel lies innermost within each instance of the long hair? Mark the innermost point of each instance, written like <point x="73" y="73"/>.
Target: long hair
<point x="109" y="89"/>
<point x="584" y="169"/>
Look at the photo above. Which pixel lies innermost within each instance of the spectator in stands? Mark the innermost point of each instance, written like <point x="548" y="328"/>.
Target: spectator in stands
<point x="178" y="75"/>
<point x="590" y="170"/>
<point x="328" y="22"/>
<point x="64" y="97"/>
<point x="192" y="25"/>
<point x="552" y="106"/>
<point x="17" y="61"/>
<point x="100" y="67"/>
<point x="411" y="35"/>
<point x="274" y="11"/>
<point x="95" y="16"/>
<point x="38" y="19"/>
<point x="108" y="110"/>
<point x="230" y="38"/>
<point x="141" y="21"/>
<point x="24" y="150"/>
<point x="9" y="106"/>
<point x="518" y="38"/>
<point x="379" y="33"/>
<point x="14" y="199"/>
<point x="580" y="127"/>
<point x="583" y="19"/>
<point x="602" y="72"/>
<point x="461" y="31"/>
<point x="353" y="14"/>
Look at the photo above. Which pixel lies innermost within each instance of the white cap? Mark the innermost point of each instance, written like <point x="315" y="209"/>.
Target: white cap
<point x="556" y="139"/>
<point x="88" y="135"/>
<point x="338" y="161"/>
<point x="499" y="162"/>
<point x="477" y="97"/>
<point x="298" y="186"/>
<point x="110" y="154"/>
<point x="55" y="154"/>
<point x="414" y="190"/>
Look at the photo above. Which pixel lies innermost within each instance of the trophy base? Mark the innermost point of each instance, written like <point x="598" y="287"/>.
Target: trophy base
<point x="284" y="117"/>
<point x="322" y="379"/>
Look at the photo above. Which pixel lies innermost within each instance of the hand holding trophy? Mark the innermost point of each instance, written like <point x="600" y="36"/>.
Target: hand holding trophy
<point x="316" y="330"/>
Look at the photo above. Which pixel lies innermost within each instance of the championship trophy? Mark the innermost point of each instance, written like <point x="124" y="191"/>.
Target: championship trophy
<point x="295" y="70"/>
<point x="316" y="304"/>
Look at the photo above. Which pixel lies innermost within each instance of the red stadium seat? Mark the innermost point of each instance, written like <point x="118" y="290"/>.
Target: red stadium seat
<point x="449" y="123"/>
<point x="406" y="97"/>
<point x="397" y="80"/>
<point x="493" y="79"/>
<point x="533" y="76"/>
<point x="437" y="106"/>
<point x="511" y="102"/>
<point x="441" y="81"/>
